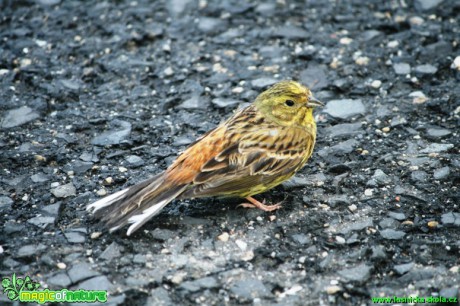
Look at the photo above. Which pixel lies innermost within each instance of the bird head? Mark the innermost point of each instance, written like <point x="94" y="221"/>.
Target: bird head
<point x="288" y="103"/>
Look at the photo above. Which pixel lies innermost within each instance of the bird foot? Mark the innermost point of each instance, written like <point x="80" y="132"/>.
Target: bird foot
<point x="256" y="204"/>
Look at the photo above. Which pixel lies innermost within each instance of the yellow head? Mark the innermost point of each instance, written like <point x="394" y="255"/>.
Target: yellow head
<point x="288" y="103"/>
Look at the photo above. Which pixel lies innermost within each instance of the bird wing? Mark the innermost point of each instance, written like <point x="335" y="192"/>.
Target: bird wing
<point x="252" y="153"/>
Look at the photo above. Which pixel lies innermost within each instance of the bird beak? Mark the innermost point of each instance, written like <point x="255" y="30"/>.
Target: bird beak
<point x="313" y="102"/>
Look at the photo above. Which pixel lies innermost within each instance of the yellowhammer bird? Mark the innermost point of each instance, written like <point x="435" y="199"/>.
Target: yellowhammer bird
<point x="256" y="149"/>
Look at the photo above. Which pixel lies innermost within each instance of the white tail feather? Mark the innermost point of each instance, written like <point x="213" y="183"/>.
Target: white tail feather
<point x="138" y="220"/>
<point x="104" y="202"/>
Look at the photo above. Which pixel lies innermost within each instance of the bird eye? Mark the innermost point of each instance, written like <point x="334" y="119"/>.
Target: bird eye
<point x="289" y="103"/>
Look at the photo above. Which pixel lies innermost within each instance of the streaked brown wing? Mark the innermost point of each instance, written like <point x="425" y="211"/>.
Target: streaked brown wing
<point x="264" y="155"/>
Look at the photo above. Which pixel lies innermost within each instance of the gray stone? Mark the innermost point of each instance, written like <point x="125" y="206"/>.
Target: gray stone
<point x="451" y="218"/>
<point x="441" y="173"/>
<point x="135" y="160"/>
<point x="119" y="132"/>
<point x="81" y="271"/>
<point x="301" y="239"/>
<point x="388" y="223"/>
<point x="249" y="289"/>
<point x="290" y="32"/>
<point x="41" y="221"/>
<point x="344" y="129"/>
<point x="401" y="68"/>
<point x="315" y="77"/>
<point x="199" y="284"/>
<point x="437" y="148"/>
<point x="263" y="82"/>
<point x="5" y="203"/>
<point x="30" y="250"/>
<point x="419" y="176"/>
<point x="52" y="209"/>
<point x="296" y="182"/>
<point x="64" y="191"/>
<point x="403" y="268"/>
<point x="427" y="272"/>
<point x="378" y="252"/>
<point x="61" y="280"/>
<point x="98" y="282"/>
<point x="177" y="7"/>
<point x="426" y="5"/>
<point x="112" y="251"/>
<point x="194" y="102"/>
<point x="381" y="177"/>
<point x="223" y="103"/>
<point x="397" y="216"/>
<point x="74" y="237"/>
<point x="359" y="273"/>
<point x="344" y="147"/>
<point x="19" y="116"/>
<point x="449" y="292"/>
<point x="210" y="25"/>
<point x="392" y="234"/>
<point x="162" y="234"/>
<point x="426" y="69"/>
<point x="356" y="226"/>
<point x="438" y="132"/>
<point x="159" y="297"/>
<point x="345" y="108"/>
<point x="39" y="178"/>
<point x="341" y="199"/>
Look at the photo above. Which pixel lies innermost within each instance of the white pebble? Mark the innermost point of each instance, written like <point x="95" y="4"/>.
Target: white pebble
<point x="61" y="265"/>
<point x="456" y="63"/>
<point x="376" y="84"/>
<point x="223" y="237"/>
<point x="241" y="244"/>
<point x="368" y="192"/>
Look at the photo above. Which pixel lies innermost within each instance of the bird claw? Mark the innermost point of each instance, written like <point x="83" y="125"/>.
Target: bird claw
<point x="256" y="204"/>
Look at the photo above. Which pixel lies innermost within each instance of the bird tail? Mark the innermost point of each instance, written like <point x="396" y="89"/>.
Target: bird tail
<point x="135" y="205"/>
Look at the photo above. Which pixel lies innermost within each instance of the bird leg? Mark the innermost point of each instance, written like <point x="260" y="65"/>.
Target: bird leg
<point x="256" y="204"/>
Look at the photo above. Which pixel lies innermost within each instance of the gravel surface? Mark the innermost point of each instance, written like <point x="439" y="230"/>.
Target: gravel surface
<point x="98" y="96"/>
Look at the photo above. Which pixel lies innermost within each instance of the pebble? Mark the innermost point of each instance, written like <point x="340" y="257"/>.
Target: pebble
<point x="99" y="282"/>
<point x="362" y="61"/>
<point x="291" y="32"/>
<point x="426" y="5"/>
<point x="248" y="289"/>
<point x="438" y="132"/>
<point x="456" y="63"/>
<point x="301" y="239"/>
<point x="403" y="268"/>
<point x="401" y="68"/>
<point x="135" y="161"/>
<point x="433" y="224"/>
<point x="95" y="235"/>
<point x="355" y="226"/>
<point x="101" y="192"/>
<point x="112" y="251"/>
<point x="344" y="129"/>
<point x="223" y="237"/>
<point x="426" y="69"/>
<point x="451" y="218"/>
<point x="262" y="83"/>
<point x="64" y="191"/>
<point x="81" y="271"/>
<point x="397" y="216"/>
<point x="30" y="250"/>
<point x="368" y="192"/>
<point x="333" y="289"/>
<point x="211" y="25"/>
<point x="358" y="274"/>
<point x="376" y="84"/>
<point x="19" y="116"/>
<point x="39" y="178"/>
<point x="168" y="71"/>
<point x="41" y="221"/>
<point x="344" y="108"/>
<point x="441" y="173"/>
<point x="392" y="234"/>
<point x="5" y="203"/>
<point x="315" y="77"/>
<point x="353" y="208"/>
<point x="75" y="237"/>
<point x="121" y="131"/>
<point x="61" y="265"/>
<point x="200" y="284"/>
<point x="223" y="103"/>
<point x="241" y="244"/>
<point x="437" y="148"/>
